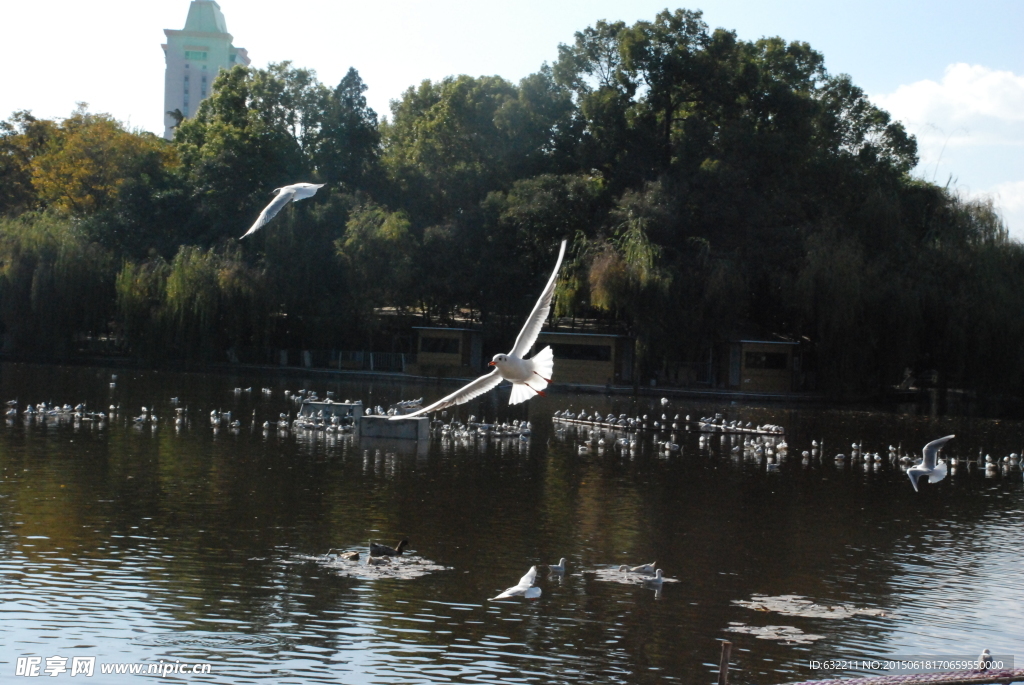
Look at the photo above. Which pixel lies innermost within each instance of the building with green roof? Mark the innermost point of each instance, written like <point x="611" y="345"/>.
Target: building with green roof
<point x="194" y="55"/>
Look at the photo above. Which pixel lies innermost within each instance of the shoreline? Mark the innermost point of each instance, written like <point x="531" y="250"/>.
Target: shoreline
<point x="720" y="395"/>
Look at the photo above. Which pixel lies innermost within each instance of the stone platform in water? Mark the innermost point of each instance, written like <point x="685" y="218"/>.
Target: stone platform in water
<point x="416" y="428"/>
<point x="947" y="678"/>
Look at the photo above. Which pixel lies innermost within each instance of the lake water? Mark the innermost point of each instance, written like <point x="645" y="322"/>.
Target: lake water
<point x="184" y="546"/>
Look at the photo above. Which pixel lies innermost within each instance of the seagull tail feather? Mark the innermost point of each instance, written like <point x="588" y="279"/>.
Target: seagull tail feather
<point x="520" y="393"/>
<point x="543" y="365"/>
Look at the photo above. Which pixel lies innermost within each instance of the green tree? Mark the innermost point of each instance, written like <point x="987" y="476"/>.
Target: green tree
<point x="347" y="148"/>
<point x="452" y="142"/>
<point x="377" y="251"/>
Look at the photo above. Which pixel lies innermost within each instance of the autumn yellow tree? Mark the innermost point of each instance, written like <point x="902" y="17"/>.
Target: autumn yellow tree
<point x="22" y="138"/>
<point x="90" y="157"/>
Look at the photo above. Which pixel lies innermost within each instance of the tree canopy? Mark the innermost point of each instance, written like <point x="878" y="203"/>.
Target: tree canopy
<point x="711" y="187"/>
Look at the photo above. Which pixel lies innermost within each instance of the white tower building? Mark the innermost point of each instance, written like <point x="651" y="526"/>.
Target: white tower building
<point x="194" y="55"/>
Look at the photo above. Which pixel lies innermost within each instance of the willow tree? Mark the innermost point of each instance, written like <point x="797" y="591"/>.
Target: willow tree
<point x="141" y="289"/>
<point x="378" y="248"/>
<point x="377" y="253"/>
<point x="54" y="284"/>
<point x="214" y="302"/>
<point x="627" y="280"/>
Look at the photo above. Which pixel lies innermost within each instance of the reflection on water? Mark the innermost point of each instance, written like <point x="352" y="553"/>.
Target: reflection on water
<point x="135" y="544"/>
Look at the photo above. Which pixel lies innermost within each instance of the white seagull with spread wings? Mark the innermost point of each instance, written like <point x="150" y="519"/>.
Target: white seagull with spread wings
<point x="525" y="587"/>
<point x="529" y="376"/>
<point x="928" y="466"/>
<point x="292" y="193"/>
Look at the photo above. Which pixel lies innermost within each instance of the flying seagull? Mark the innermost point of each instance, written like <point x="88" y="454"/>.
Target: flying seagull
<point x="928" y="466"/>
<point x="529" y="376"/>
<point x="524" y="588"/>
<point x="292" y="193"/>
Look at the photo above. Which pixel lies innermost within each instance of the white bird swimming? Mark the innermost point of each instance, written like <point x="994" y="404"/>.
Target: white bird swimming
<point x="524" y="588"/>
<point x="529" y="376"/>
<point x="658" y="579"/>
<point x="292" y="193"/>
<point x="559" y="568"/>
<point x="929" y="466"/>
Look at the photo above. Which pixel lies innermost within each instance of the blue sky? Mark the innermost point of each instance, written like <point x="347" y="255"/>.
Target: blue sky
<point x="952" y="71"/>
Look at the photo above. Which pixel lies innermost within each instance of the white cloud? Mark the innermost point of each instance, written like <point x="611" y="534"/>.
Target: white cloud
<point x="970" y="131"/>
<point x="965" y="93"/>
<point x="1009" y="198"/>
<point x="973" y="105"/>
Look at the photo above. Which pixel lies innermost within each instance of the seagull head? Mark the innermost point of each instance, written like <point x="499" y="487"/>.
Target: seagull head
<point x="498" y="360"/>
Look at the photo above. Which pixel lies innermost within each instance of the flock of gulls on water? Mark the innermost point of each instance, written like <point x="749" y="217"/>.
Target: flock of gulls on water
<point x="594" y="432"/>
<point x="767" y="441"/>
<point x="625" y="431"/>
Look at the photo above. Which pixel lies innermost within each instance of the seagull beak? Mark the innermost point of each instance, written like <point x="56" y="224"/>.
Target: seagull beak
<point x="490" y="364"/>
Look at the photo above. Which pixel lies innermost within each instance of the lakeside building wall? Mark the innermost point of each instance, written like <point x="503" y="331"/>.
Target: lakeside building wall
<point x="589" y="358"/>
<point x="760" y="366"/>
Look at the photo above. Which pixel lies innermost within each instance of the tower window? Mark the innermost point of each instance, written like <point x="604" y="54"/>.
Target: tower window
<point x="195" y="55"/>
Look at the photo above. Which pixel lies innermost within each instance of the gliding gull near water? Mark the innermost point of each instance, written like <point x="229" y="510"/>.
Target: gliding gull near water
<point x="292" y="193"/>
<point x="529" y="376"/>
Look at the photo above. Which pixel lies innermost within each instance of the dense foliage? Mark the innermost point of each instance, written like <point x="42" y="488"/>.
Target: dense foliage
<point x="711" y="187"/>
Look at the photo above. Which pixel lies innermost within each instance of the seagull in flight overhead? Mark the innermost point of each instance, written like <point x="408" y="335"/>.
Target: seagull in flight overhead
<point x="928" y="466"/>
<point x="529" y="376"/>
<point x="292" y="193"/>
<point x="524" y="588"/>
